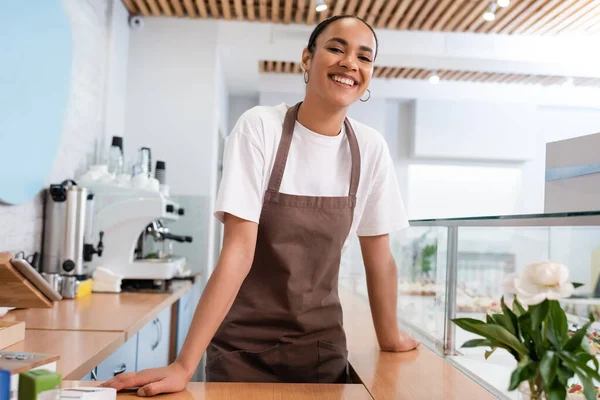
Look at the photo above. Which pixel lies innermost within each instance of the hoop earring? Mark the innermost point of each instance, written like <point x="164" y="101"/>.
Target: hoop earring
<point x="367" y="99"/>
<point x="305" y="76"/>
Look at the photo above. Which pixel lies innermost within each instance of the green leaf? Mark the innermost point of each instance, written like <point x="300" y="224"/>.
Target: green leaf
<point x="580" y="368"/>
<point x="511" y="318"/>
<point x="588" y="388"/>
<point x="548" y="368"/>
<point x="493" y="332"/>
<point x="587" y="357"/>
<point x="564" y="373"/>
<point x="557" y="391"/>
<point x="577" y="284"/>
<point x="575" y="341"/>
<point x="505" y="321"/>
<point x="538" y="314"/>
<point x="523" y="372"/>
<point x="477" y="343"/>
<point x="518" y="308"/>
<point x="489" y="319"/>
<point x="558" y="328"/>
<point x="488" y="353"/>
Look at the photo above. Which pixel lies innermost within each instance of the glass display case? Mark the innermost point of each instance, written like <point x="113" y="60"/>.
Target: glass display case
<point x="450" y="268"/>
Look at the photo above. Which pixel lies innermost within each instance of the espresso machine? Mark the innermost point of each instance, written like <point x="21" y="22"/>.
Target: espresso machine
<point x="130" y="220"/>
<point x="68" y="240"/>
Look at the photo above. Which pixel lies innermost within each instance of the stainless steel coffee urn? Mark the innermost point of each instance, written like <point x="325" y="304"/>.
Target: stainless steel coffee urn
<point x="68" y="227"/>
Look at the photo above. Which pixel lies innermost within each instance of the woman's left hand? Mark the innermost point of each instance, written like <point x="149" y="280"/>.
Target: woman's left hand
<point x="405" y="342"/>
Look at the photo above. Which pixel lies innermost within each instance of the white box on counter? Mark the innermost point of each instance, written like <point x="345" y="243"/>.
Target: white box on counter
<point x="573" y="175"/>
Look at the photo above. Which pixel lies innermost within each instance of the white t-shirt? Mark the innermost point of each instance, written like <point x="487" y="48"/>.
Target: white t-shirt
<point x="317" y="165"/>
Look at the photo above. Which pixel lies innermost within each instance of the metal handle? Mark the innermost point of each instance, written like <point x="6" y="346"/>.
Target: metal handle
<point x="121" y="369"/>
<point x="94" y="374"/>
<point x="158" y="332"/>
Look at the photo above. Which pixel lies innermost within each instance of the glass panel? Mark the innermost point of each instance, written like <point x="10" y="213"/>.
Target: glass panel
<point x="485" y="256"/>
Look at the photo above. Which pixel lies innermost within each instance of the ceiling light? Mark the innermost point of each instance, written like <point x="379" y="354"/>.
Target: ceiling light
<point x="434" y="79"/>
<point x="490" y="13"/>
<point x="321" y="6"/>
<point x="503" y="3"/>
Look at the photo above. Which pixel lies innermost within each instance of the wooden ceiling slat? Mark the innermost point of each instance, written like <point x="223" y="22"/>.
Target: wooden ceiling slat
<point x="154" y="7"/>
<point x="351" y="7"/>
<point x="550" y="16"/>
<point x="529" y="12"/>
<point x="190" y="10"/>
<point x="461" y="76"/>
<point x="398" y="14"/>
<point x="214" y="10"/>
<point x="250" y="10"/>
<point x="403" y="73"/>
<point x="385" y="14"/>
<point x="270" y="66"/>
<point x="503" y="78"/>
<point x="437" y="11"/>
<point x="300" y="11"/>
<point x="261" y="66"/>
<point x="476" y="14"/>
<point x="410" y="14"/>
<point x="469" y="75"/>
<point x="201" y="4"/>
<point x="391" y="72"/>
<point x="459" y="16"/>
<point x="141" y="5"/>
<point x="578" y="10"/>
<point x="481" y="25"/>
<point x="362" y="10"/>
<point x="310" y="18"/>
<point x="274" y="11"/>
<point x="476" y="76"/>
<point x="374" y="12"/>
<point x="239" y="10"/>
<point x="584" y="23"/>
<point x="165" y="8"/>
<point x="226" y="8"/>
<point x="452" y="75"/>
<point x="287" y="67"/>
<point x="423" y="13"/>
<point x="444" y="74"/>
<point x="262" y="10"/>
<point x="421" y="75"/>
<point x="538" y="15"/>
<point x="287" y="12"/>
<point x="323" y="15"/>
<point x="412" y="73"/>
<point x="379" y="71"/>
<point x="298" y="68"/>
<point x="339" y="7"/>
<point x="448" y="13"/>
<point x="507" y="18"/>
<point x="131" y="7"/>
<point x="278" y="67"/>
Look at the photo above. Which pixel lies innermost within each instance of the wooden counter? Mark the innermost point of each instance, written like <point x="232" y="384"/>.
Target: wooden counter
<point x="79" y="352"/>
<point x="124" y="312"/>
<point x="85" y="331"/>
<point x="415" y="375"/>
<point x="256" y="391"/>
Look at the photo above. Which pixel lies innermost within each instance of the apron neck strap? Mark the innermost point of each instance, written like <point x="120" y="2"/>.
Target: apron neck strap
<point x="284" y="148"/>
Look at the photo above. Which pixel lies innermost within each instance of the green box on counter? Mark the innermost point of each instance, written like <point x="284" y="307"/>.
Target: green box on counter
<point x="32" y="383"/>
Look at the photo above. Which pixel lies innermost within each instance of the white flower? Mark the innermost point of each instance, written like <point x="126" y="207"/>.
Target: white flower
<point x="540" y="281"/>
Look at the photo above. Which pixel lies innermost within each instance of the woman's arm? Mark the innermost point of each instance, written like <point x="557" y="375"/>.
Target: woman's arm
<point x="235" y="261"/>
<point x="382" y="285"/>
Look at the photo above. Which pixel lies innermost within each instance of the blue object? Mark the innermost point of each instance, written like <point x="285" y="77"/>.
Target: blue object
<point x="4" y="385"/>
<point x="35" y="76"/>
<point x="555" y="174"/>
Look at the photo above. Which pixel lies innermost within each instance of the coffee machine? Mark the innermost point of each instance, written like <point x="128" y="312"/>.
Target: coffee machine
<point x="68" y="240"/>
<point x="127" y="218"/>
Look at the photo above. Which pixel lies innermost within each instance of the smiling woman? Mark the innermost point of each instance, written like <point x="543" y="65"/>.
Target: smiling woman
<point x="271" y="311"/>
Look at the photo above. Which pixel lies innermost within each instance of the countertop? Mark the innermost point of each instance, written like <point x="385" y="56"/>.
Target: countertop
<point x="85" y="331"/>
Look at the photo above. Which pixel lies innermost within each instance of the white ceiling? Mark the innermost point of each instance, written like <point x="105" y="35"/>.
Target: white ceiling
<point x="243" y="44"/>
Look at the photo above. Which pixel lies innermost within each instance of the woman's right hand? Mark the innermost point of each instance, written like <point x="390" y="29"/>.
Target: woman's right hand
<point x="169" y="379"/>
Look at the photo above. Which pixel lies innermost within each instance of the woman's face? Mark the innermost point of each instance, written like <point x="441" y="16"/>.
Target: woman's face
<point x="340" y="69"/>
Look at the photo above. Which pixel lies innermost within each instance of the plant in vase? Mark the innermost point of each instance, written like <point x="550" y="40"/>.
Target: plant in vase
<point x="536" y="333"/>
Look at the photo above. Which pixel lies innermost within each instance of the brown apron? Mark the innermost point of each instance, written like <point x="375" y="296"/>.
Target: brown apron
<point x="285" y="324"/>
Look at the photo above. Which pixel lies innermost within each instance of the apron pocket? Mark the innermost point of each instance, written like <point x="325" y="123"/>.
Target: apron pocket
<point x="333" y="363"/>
<point x="244" y="366"/>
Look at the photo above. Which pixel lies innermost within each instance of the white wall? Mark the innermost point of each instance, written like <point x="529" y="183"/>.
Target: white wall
<point x="172" y="100"/>
<point x="87" y="117"/>
<point x="238" y="104"/>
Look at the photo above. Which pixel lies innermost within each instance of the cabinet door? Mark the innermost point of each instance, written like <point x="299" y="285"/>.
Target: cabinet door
<point x="185" y="311"/>
<point x="153" y="342"/>
<point x="122" y="360"/>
